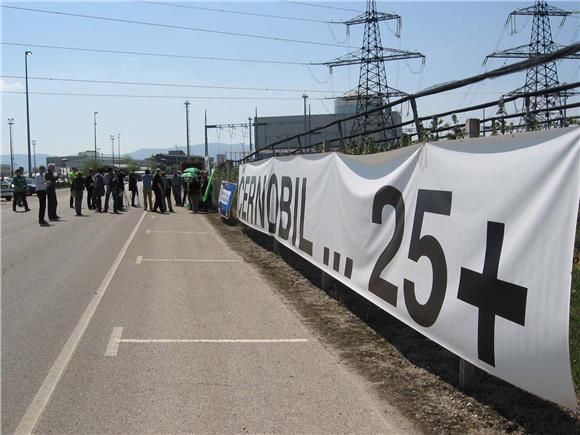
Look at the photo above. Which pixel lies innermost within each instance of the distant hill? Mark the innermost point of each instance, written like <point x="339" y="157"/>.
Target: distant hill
<point x="22" y="160"/>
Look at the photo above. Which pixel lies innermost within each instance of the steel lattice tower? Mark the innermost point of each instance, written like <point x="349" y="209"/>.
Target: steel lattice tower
<point x="373" y="90"/>
<point x="542" y="76"/>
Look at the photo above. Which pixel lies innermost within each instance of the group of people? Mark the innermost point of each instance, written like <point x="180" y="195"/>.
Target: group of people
<point x="45" y="182"/>
<point x="105" y="184"/>
<point x="164" y="188"/>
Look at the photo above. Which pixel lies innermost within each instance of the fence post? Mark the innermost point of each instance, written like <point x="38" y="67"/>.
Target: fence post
<point x="300" y="144"/>
<point x="466" y="371"/>
<point x="324" y="146"/>
<point x="472" y="127"/>
<point x="418" y="125"/>
<point x="528" y="119"/>
<point x="229" y="169"/>
<point x="340" y="135"/>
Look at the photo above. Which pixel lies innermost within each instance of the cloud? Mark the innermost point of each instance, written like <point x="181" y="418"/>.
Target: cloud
<point x="11" y="85"/>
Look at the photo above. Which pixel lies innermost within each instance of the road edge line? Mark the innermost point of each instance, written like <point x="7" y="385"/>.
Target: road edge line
<point x="36" y="408"/>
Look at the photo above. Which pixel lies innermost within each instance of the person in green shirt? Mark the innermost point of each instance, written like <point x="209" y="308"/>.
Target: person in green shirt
<point x="19" y="186"/>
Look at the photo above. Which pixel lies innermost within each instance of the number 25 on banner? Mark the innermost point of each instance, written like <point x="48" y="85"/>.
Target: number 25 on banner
<point x="484" y="290"/>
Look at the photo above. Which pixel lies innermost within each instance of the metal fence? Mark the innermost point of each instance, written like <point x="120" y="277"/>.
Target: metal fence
<point x="419" y="132"/>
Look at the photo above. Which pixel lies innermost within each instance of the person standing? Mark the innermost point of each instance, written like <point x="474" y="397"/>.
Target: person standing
<point x="194" y="194"/>
<point x="107" y="180"/>
<point x="185" y="197"/>
<point x="90" y="186"/>
<point x="71" y="177"/>
<point x="50" y="179"/>
<point x="133" y="188"/>
<point x="19" y="183"/>
<point x="158" y="189"/>
<point x="41" y="194"/>
<point x="176" y="187"/>
<point x="167" y="191"/>
<point x="120" y="190"/>
<point x="99" y="190"/>
<point x="78" y="188"/>
<point x="147" y="184"/>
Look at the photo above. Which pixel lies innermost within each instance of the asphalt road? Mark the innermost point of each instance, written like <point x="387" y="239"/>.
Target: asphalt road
<point x="139" y="323"/>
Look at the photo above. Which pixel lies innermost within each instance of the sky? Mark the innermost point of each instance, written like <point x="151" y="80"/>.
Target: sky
<point x="455" y="37"/>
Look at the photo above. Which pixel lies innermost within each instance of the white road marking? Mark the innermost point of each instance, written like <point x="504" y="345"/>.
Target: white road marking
<point x="169" y="217"/>
<point x="214" y="340"/>
<point x="180" y="260"/>
<point x="36" y="407"/>
<point x="114" y="341"/>
<point x="181" y="232"/>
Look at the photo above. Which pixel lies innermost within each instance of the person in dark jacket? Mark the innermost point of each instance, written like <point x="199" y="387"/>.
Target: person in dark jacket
<point x="50" y="179"/>
<point x="99" y="190"/>
<point x="167" y="191"/>
<point x="133" y="188"/>
<point x="158" y="190"/>
<point x="194" y="194"/>
<point x="78" y="188"/>
<point x="90" y="186"/>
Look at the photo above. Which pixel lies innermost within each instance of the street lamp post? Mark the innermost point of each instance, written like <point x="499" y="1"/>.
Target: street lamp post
<point x="10" y="124"/>
<point x="26" y="54"/>
<point x="34" y="154"/>
<point x="119" y="147"/>
<point x="113" y="147"/>
<point x="95" y="129"/>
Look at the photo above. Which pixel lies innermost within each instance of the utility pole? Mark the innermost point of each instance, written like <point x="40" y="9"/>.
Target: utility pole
<point x="187" y="126"/>
<point x="373" y="91"/>
<point x="95" y="129"/>
<point x="542" y="76"/>
<point x="10" y="124"/>
<point x="250" y="132"/>
<point x="34" y="154"/>
<point x="26" y="54"/>
<point x="119" y="147"/>
<point x="113" y="147"/>
<point x="205" y="133"/>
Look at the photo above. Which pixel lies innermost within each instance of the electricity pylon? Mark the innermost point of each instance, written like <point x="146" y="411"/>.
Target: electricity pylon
<point x="373" y="90"/>
<point x="544" y="76"/>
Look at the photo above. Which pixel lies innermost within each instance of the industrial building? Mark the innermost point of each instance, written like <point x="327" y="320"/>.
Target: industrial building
<point x="270" y="129"/>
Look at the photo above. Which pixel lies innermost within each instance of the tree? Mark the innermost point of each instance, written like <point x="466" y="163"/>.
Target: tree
<point x="132" y="165"/>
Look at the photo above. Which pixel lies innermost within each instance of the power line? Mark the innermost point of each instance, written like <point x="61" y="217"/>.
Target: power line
<point x="172" y="26"/>
<point x="321" y="6"/>
<point x="142" y="53"/>
<point x="230" y="11"/>
<point x="158" y="96"/>
<point x="177" y="85"/>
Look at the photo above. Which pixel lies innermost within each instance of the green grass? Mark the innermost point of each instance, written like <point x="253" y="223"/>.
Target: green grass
<point x="575" y="326"/>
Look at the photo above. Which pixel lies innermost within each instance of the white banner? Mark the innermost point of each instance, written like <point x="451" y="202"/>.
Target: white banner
<point x="469" y="242"/>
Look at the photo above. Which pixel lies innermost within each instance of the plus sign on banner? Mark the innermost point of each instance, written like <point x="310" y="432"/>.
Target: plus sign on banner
<point x="469" y="242"/>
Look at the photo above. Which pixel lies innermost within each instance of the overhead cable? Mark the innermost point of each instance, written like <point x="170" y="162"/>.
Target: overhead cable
<point x="230" y="11"/>
<point x="173" y="26"/>
<point x="177" y="85"/>
<point x="316" y="5"/>
<point x="179" y="56"/>
<point x="71" y="94"/>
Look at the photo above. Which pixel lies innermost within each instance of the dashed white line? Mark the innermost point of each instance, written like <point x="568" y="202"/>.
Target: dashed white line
<point x="181" y="232"/>
<point x="36" y="407"/>
<point x="213" y="340"/>
<point x="114" y="341"/>
<point x="140" y="260"/>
